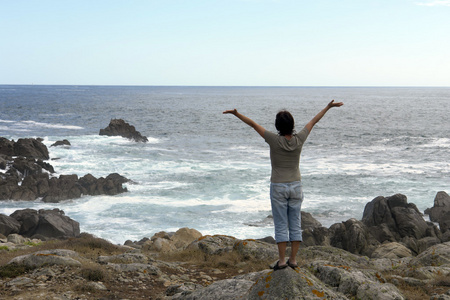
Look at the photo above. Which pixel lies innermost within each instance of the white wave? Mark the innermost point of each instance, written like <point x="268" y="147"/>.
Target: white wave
<point x="48" y="125"/>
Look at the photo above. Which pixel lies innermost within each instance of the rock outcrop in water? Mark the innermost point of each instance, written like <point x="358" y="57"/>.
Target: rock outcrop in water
<point x="27" y="177"/>
<point x="118" y="127"/>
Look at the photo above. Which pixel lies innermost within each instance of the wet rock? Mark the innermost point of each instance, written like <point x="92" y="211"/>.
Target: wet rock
<point x="118" y="127"/>
<point x="31" y="148"/>
<point x="61" y="143"/>
<point x="46" y="223"/>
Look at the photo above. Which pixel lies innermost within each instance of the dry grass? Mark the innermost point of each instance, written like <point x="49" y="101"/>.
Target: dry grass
<point x="86" y="245"/>
<point x="229" y="262"/>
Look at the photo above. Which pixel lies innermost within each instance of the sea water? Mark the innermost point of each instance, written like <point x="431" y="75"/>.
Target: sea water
<point x="205" y="170"/>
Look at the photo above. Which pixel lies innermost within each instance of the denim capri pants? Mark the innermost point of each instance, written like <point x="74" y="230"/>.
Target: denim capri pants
<point x="286" y="200"/>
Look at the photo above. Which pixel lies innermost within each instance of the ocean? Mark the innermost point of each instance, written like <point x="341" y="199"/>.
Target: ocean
<point x="205" y="170"/>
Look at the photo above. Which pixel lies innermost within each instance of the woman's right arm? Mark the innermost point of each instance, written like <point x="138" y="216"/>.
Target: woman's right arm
<point x="259" y="129"/>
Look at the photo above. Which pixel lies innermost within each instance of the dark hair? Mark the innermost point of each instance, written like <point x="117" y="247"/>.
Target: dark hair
<point x="284" y="123"/>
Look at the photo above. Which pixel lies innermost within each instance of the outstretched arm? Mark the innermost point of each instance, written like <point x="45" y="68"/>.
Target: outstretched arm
<point x="259" y="129"/>
<point x="319" y="116"/>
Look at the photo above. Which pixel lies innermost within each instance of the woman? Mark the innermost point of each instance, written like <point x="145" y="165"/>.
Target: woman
<point x="286" y="193"/>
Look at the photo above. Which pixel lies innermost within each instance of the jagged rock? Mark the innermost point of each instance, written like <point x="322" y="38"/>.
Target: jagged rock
<point x="444" y="223"/>
<point x="391" y="250"/>
<point x="46" y="223"/>
<point x="48" y="257"/>
<point x="393" y="219"/>
<point x="31" y="148"/>
<point x="441" y="207"/>
<point x="308" y="221"/>
<point x="118" y="127"/>
<point x="6" y="147"/>
<point x="60" y="143"/>
<point x="353" y="236"/>
<point x="318" y="236"/>
<point x="8" y="225"/>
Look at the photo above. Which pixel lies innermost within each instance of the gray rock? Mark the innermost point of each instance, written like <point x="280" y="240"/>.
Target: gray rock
<point x="434" y="256"/>
<point x="219" y="290"/>
<point x="135" y="267"/>
<point x="385" y="291"/>
<point x="256" y="249"/>
<point x="46" y="223"/>
<point x="8" y="225"/>
<point x="391" y="250"/>
<point x="440" y="208"/>
<point x="48" y="257"/>
<point x="124" y="258"/>
<point x="214" y="244"/>
<point x="290" y="284"/>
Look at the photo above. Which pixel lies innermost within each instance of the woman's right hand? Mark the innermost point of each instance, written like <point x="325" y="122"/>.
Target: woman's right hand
<point x="231" y="111"/>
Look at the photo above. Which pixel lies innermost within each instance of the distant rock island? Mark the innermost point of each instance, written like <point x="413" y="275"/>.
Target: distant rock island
<point x="118" y="127"/>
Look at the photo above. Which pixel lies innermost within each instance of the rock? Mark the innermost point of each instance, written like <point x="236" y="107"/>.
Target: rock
<point x="60" y="143"/>
<point x="434" y="256"/>
<point x="6" y="147"/>
<point x="215" y="244"/>
<point x="353" y="236"/>
<point x="118" y="127"/>
<point x="290" y="284"/>
<point x="17" y="239"/>
<point x="162" y="245"/>
<point x="253" y="249"/>
<point x="391" y="250"/>
<point x="185" y="236"/>
<point x="8" y="225"/>
<point x="308" y="221"/>
<point x="379" y="291"/>
<point x="135" y="267"/>
<point x="124" y="258"/>
<point x="219" y="290"/>
<point x="46" y="223"/>
<point x="441" y="207"/>
<point x="444" y="222"/>
<point x="48" y="257"/>
<point x="393" y="219"/>
<point x="31" y="148"/>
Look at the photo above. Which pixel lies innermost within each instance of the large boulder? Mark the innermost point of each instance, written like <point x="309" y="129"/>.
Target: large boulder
<point x="118" y="127"/>
<point x="6" y="147"/>
<point x="391" y="250"/>
<point x="48" y="257"/>
<point x="353" y="236"/>
<point x="393" y="219"/>
<point x="8" y="225"/>
<point x="46" y="223"/>
<point x="31" y="148"/>
<point x="440" y="208"/>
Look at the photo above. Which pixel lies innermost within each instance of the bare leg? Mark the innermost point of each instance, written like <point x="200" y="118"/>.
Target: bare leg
<point x="282" y="253"/>
<point x="294" y="249"/>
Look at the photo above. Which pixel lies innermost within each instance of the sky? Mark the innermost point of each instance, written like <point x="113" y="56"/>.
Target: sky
<point x="226" y="42"/>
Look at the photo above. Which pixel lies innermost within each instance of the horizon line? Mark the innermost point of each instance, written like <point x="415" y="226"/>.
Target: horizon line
<point x="237" y="86"/>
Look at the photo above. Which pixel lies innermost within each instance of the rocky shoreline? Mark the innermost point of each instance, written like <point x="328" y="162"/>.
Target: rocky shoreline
<point x="345" y="261"/>
<point x="391" y="253"/>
